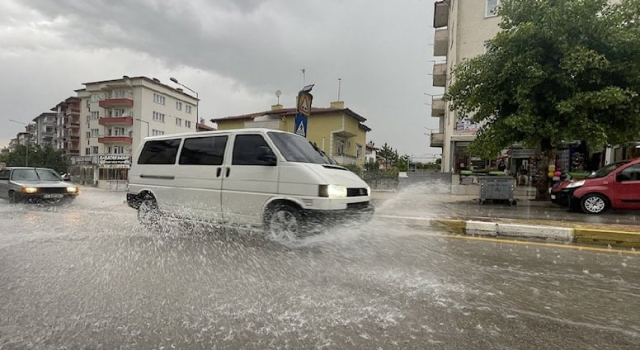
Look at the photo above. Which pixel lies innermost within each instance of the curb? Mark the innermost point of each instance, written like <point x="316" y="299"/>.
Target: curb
<point x="540" y="232"/>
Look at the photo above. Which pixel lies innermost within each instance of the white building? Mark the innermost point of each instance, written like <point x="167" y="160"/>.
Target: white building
<point x="462" y="29"/>
<point x="117" y="114"/>
<point x="45" y="133"/>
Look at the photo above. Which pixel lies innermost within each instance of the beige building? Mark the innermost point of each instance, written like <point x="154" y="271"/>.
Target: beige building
<point x="115" y="115"/>
<point x="337" y="131"/>
<point x="462" y="29"/>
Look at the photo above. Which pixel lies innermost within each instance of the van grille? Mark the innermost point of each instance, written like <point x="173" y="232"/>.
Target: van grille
<point x="357" y="192"/>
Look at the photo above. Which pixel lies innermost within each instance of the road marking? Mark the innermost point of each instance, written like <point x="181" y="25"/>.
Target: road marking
<point x="512" y="241"/>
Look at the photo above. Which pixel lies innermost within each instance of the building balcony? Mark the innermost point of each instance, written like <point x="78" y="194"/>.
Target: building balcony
<point x="437" y="140"/>
<point x="115" y="139"/>
<point x="441" y="42"/>
<point x="72" y="125"/>
<point x="438" y="107"/>
<point x="440" y="74"/>
<point x="440" y="14"/>
<point x="73" y="152"/>
<point x="73" y="110"/>
<point x="116" y="121"/>
<point x="345" y="159"/>
<point x="116" y="102"/>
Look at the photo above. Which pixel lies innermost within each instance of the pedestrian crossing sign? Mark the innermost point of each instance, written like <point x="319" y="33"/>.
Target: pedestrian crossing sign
<point x="300" y="125"/>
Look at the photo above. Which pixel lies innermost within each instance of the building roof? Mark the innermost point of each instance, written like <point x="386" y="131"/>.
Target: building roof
<point x="287" y="112"/>
<point x="68" y="100"/>
<point x="150" y="80"/>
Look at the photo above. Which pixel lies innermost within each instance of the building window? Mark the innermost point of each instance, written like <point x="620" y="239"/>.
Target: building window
<point x="94" y="98"/>
<point x="492" y="8"/>
<point x="95" y="132"/>
<point x="178" y="122"/>
<point x="116" y="132"/>
<point x="179" y="105"/>
<point x="94" y="150"/>
<point x="340" y="148"/>
<point x="117" y="112"/>
<point x="187" y="109"/>
<point x="87" y="151"/>
<point x="155" y="132"/>
<point x="117" y="150"/>
<point x="358" y="151"/>
<point x="187" y="123"/>
<point x="88" y="134"/>
<point x="119" y="93"/>
<point x="95" y="115"/>
<point x="159" y="117"/>
<point x="159" y="99"/>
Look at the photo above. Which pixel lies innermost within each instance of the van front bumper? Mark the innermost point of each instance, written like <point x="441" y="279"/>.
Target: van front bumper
<point x="355" y="212"/>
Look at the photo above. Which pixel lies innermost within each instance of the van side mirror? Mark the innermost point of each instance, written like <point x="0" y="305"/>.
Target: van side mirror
<point x="266" y="155"/>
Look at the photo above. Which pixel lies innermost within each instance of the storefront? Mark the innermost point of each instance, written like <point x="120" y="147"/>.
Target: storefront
<point x="113" y="171"/>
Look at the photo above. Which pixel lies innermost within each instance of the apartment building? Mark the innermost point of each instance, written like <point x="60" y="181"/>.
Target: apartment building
<point x="67" y="137"/>
<point x="338" y="131"/>
<point x="45" y="133"/>
<point x="462" y="29"/>
<point x="115" y="115"/>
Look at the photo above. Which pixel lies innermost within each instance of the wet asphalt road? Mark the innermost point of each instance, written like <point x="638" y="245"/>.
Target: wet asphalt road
<point x="87" y="276"/>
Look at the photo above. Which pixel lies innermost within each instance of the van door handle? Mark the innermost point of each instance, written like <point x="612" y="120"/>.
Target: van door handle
<point x="228" y="171"/>
<point x="218" y="172"/>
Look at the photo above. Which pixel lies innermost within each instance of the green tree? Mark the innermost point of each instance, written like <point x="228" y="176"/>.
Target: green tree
<point x="558" y="70"/>
<point x="389" y="156"/>
<point x="45" y="157"/>
<point x="403" y="163"/>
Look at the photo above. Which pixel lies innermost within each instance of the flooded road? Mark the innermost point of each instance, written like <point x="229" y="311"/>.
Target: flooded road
<point x="88" y="276"/>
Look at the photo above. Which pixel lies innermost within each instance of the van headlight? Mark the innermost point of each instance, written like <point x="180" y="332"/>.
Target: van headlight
<point x="332" y="191"/>
<point x="575" y="184"/>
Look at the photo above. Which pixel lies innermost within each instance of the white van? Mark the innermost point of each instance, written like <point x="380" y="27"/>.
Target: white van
<point x="258" y="177"/>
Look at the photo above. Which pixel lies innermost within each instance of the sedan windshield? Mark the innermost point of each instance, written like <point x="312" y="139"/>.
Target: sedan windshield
<point x="296" y="148"/>
<point x="602" y="172"/>
<point x="35" y="175"/>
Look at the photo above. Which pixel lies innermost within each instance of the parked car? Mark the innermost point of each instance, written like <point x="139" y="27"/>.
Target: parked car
<point x="259" y="177"/>
<point x="615" y="186"/>
<point x="22" y="184"/>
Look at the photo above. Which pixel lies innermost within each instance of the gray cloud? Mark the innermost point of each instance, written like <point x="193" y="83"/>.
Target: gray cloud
<point x="378" y="49"/>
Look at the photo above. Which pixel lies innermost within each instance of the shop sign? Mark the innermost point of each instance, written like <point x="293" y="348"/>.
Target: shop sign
<point x="465" y="126"/>
<point x="115" y="159"/>
<point x="522" y="153"/>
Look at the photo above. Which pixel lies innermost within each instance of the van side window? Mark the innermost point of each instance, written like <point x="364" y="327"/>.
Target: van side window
<point x="159" y="152"/>
<point x="631" y="173"/>
<point x="203" y="150"/>
<point x="4" y="174"/>
<point x="245" y="150"/>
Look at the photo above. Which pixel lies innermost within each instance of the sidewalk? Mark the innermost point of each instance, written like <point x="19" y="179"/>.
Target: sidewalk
<point x="529" y="219"/>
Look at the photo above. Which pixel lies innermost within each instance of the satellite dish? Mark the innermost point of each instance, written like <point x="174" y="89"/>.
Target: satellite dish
<point x="278" y="93"/>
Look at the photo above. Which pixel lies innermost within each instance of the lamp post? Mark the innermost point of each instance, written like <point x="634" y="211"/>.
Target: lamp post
<point x="144" y="121"/>
<point x="26" y="163"/>
<point x="197" y="99"/>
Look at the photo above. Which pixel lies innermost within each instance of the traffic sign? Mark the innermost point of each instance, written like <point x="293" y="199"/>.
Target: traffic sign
<point x="300" y="126"/>
<point x="304" y="103"/>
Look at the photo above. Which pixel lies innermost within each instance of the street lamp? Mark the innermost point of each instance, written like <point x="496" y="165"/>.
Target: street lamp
<point x="26" y="163"/>
<point x="144" y="121"/>
<point x="197" y="99"/>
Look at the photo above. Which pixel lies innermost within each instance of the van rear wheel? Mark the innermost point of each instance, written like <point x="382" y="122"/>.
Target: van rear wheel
<point x="148" y="213"/>
<point x="283" y="223"/>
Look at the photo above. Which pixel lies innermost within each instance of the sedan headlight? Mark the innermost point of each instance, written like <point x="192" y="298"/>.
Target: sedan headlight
<point x="72" y="189"/>
<point x="333" y="191"/>
<point x="575" y="184"/>
<point x="29" y="189"/>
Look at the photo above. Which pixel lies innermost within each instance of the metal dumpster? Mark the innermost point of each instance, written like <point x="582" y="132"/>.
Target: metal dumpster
<point x="497" y="188"/>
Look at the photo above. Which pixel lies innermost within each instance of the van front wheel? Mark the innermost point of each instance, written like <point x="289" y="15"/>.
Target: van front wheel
<point x="148" y="214"/>
<point x="283" y="223"/>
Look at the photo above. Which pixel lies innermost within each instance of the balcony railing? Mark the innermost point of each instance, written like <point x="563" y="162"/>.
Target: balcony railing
<point x="116" y="121"/>
<point x="437" y="140"/>
<point x="116" y="102"/>
<point x="440" y="74"/>
<point x="437" y="107"/>
<point x="441" y="42"/>
<point x="115" y="139"/>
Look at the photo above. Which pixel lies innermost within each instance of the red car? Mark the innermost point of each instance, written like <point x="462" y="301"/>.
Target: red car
<point x="616" y="186"/>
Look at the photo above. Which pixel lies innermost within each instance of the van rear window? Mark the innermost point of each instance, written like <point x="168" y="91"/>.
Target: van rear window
<point x="159" y="152"/>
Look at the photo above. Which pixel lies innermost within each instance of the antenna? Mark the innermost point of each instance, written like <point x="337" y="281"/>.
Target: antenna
<point x="339" y="83"/>
<point x="278" y="93"/>
<point x="304" y="77"/>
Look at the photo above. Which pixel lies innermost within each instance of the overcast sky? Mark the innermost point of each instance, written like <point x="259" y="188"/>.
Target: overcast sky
<point x="235" y="53"/>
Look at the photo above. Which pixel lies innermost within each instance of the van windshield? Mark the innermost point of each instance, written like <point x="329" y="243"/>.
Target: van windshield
<point x="602" y="172"/>
<point x="296" y="148"/>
